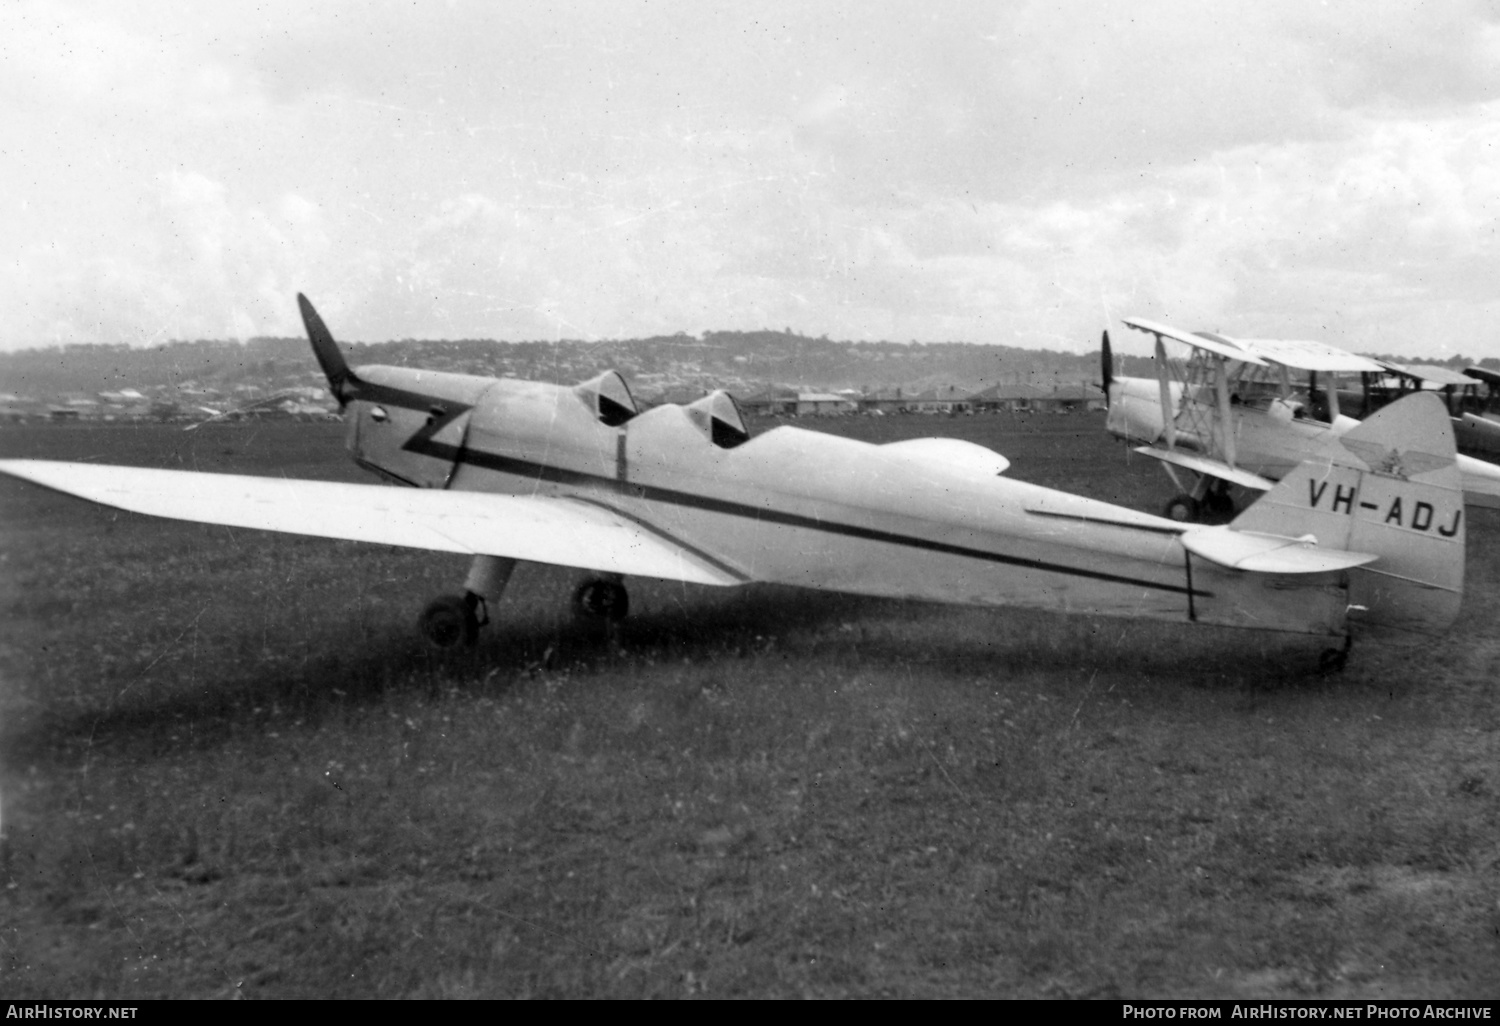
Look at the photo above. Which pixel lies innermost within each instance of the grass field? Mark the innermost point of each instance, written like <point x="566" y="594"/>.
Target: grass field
<point x="230" y="768"/>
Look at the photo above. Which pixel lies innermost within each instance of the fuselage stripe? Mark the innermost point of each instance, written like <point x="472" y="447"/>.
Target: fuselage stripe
<point x="423" y="444"/>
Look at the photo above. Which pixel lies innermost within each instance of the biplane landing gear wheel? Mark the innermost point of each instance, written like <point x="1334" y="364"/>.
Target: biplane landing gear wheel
<point x="1181" y="508"/>
<point x="601" y="598"/>
<point x="1333" y="660"/>
<point x="450" y="620"/>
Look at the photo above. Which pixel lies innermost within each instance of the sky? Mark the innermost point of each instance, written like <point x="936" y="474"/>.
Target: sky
<point x="1013" y="173"/>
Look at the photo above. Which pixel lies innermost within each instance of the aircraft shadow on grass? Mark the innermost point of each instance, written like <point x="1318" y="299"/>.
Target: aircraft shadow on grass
<point x="755" y="627"/>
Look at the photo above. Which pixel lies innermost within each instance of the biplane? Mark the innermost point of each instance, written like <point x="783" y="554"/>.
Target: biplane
<point x="1237" y="415"/>
<point x="1474" y="426"/>
<point x="1370" y="534"/>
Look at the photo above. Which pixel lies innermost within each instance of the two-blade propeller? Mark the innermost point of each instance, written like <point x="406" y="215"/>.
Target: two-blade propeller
<point x="1106" y="366"/>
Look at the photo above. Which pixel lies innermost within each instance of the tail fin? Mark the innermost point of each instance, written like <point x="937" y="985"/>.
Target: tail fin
<point x="341" y="380"/>
<point x="1390" y="488"/>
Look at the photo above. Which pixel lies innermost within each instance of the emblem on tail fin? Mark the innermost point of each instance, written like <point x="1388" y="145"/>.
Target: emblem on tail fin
<point x="1391" y="462"/>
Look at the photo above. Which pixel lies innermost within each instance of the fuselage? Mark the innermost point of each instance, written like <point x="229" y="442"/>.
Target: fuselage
<point x="1268" y="437"/>
<point x="912" y="520"/>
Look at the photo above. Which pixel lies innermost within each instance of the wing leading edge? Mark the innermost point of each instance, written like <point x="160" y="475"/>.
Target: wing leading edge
<point x="1209" y="467"/>
<point x="566" y="532"/>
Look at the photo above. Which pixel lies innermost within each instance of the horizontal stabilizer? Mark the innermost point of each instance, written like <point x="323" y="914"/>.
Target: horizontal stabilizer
<point x="1269" y="553"/>
<point x="1208" y="467"/>
<point x="564" y="532"/>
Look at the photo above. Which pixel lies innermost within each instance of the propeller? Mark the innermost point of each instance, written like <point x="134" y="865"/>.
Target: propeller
<point x="342" y="383"/>
<point x="1106" y="365"/>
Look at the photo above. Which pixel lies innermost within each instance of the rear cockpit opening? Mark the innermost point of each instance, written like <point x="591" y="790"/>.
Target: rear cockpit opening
<point x="718" y="416"/>
<point x="609" y="398"/>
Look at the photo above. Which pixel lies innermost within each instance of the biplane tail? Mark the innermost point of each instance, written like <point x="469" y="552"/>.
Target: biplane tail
<point x="1392" y="490"/>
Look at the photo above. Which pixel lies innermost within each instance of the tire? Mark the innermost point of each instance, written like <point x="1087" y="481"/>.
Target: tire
<point x="449" y="621"/>
<point x="601" y="599"/>
<point x="1181" y="508"/>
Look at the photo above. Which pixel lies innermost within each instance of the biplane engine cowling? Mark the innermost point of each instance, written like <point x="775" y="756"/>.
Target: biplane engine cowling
<point x="1135" y="409"/>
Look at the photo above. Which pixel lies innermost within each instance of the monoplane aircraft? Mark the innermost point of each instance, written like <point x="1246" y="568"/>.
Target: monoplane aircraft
<point x="1244" y="414"/>
<point x="1372" y="534"/>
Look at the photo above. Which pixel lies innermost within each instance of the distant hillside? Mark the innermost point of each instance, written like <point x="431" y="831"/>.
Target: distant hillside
<point x="742" y="361"/>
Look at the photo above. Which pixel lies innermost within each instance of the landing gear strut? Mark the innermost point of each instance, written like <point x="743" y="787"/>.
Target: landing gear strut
<point x="1218" y="501"/>
<point x="451" y="620"/>
<point x="601" y="598"/>
<point x="1332" y="660"/>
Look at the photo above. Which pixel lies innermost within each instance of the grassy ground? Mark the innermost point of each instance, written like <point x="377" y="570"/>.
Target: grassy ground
<point x="230" y="768"/>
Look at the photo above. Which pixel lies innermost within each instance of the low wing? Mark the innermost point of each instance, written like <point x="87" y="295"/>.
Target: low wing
<point x="1208" y="467"/>
<point x="1268" y="553"/>
<point x="566" y="532"/>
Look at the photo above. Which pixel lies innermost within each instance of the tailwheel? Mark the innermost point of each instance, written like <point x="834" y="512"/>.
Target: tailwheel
<point x="450" y="620"/>
<point x="1181" y="508"/>
<point x="601" y="598"/>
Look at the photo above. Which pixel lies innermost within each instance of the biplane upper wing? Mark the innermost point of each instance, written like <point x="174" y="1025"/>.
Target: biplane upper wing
<point x="1208" y="466"/>
<point x="1309" y="356"/>
<point x="563" y="531"/>
<point x="1431" y="374"/>
<point x="1218" y="344"/>
<point x="1294" y="353"/>
<point x="1483" y="374"/>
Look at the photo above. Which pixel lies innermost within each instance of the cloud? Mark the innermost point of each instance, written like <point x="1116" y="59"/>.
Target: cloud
<point x="994" y="172"/>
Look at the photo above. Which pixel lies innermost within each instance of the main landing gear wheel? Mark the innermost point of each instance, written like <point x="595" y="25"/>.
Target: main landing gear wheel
<point x="450" y="620"/>
<point x="601" y="599"/>
<point x="1181" y="508"/>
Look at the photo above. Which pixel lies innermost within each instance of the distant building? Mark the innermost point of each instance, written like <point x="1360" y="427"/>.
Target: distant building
<point x="1072" y="399"/>
<point x="884" y="401"/>
<point x="1012" y="398"/>
<point x="822" y="404"/>
<point x="941" y="400"/>
<point x="773" y="402"/>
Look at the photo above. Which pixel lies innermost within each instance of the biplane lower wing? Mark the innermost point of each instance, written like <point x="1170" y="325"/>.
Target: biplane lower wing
<point x="562" y="531"/>
<point x="1208" y="467"/>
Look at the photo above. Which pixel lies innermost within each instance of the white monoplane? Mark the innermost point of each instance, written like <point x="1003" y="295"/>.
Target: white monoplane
<point x="1244" y="413"/>
<point x="510" y="470"/>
